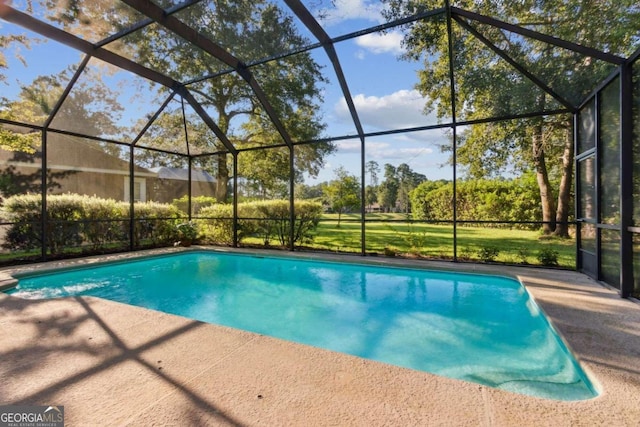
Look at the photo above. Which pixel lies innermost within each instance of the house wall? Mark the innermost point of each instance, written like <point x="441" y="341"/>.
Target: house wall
<point x="80" y="167"/>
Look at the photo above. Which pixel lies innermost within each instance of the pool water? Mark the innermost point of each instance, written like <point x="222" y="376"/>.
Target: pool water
<point x="479" y="328"/>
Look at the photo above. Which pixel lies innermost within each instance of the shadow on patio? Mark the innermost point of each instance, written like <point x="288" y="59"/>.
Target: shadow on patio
<point x="69" y="348"/>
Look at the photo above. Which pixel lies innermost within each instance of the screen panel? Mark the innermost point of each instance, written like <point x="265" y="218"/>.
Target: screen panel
<point x="609" y="154"/>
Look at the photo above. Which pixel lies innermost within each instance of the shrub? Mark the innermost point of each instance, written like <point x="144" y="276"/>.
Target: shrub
<point x="465" y="254"/>
<point x="254" y="221"/>
<point x="62" y="230"/>
<point x="106" y="221"/>
<point x="523" y="254"/>
<point x="478" y="200"/>
<point x="155" y="223"/>
<point x="390" y="251"/>
<point x="267" y="220"/>
<point x="197" y="203"/>
<point x="415" y="239"/>
<point x="73" y="220"/>
<point x="217" y="224"/>
<point x="548" y="257"/>
<point x="25" y="212"/>
<point x="308" y="215"/>
<point x="488" y="253"/>
<point x="187" y="233"/>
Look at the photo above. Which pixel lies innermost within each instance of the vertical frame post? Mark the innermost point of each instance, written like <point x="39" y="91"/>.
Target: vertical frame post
<point x="43" y="208"/>
<point x="577" y="207"/>
<point x="597" y="183"/>
<point x="292" y="207"/>
<point x="132" y="211"/>
<point x="363" y="243"/>
<point x="454" y="140"/>
<point x="626" y="180"/>
<point x="235" y="199"/>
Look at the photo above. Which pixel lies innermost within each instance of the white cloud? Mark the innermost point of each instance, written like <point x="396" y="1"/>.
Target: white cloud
<point x="348" y="146"/>
<point x="383" y="150"/>
<point x="401" y="109"/>
<point x="433" y="137"/>
<point x="344" y="10"/>
<point x="382" y="43"/>
<point x="403" y="155"/>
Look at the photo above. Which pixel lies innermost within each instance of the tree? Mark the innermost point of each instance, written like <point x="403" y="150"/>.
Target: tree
<point x="268" y="169"/>
<point x="407" y="180"/>
<point x="91" y="108"/>
<point x="394" y="192"/>
<point x="388" y="189"/>
<point x="5" y="43"/>
<point x="306" y="192"/>
<point x="34" y="105"/>
<point x="342" y="193"/>
<point x="489" y="87"/>
<point x="250" y="30"/>
<point x="372" y="168"/>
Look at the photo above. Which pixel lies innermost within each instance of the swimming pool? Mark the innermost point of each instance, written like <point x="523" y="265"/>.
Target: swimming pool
<point x="479" y="328"/>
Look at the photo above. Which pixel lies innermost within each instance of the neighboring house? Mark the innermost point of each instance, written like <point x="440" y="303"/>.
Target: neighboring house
<point x="171" y="181"/>
<point x="374" y="208"/>
<point x="85" y="168"/>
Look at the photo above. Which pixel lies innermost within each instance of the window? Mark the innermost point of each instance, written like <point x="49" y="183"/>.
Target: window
<point x="139" y="189"/>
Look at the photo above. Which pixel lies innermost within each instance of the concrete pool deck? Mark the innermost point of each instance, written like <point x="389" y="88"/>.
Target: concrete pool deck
<point x="113" y="364"/>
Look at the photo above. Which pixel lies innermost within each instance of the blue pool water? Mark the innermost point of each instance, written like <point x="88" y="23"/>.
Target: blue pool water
<point x="484" y="329"/>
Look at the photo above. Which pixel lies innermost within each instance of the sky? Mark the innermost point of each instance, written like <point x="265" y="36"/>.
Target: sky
<point x="383" y="91"/>
<point x="381" y="85"/>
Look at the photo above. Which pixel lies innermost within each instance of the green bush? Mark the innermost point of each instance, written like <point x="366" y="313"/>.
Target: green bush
<point x="480" y="200"/>
<point x="253" y="222"/>
<point x="25" y="212"/>
<point x="155" y="223"/>
<point x="266" y="220"/>
<point x="523" y="254"/>
<point x="308" y="215"/>
<point x="548" y="257"/>
<point x="488" y="253"/>
<point x="465" y="254"/>
<point x="106" y="222"/>
<point x="187" y="233"/>
<point x="63" y="227"/>
<point x="197" y="203"/>
<point x="75" y="220"/>
<point x="217" y="225"/>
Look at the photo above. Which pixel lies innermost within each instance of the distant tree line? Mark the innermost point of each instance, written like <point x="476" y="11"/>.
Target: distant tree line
<point x="404" y="191"/>
<point x="480" y="200"/>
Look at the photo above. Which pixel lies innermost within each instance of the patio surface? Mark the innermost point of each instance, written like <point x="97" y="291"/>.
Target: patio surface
<point x="114" y="364"/>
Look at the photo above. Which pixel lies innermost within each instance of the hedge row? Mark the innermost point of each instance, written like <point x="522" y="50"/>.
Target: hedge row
<point x="267" y="220"/>
<point x="479" y="200"/>
<point x="75" y="220"/>
<point x="197" y="203"/>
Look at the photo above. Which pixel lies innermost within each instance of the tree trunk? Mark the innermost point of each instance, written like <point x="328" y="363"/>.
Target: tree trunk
<point x="222" y="174"/>
<point x="564" y="192"/>
<point x="546" y="193"/>
<point x="222" y="178"/>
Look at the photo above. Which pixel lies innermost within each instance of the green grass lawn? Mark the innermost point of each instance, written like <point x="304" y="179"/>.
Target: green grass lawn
<point x="436" y="241"/>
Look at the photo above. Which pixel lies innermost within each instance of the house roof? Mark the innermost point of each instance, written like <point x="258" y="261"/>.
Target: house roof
<point x="165" y="172"/>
